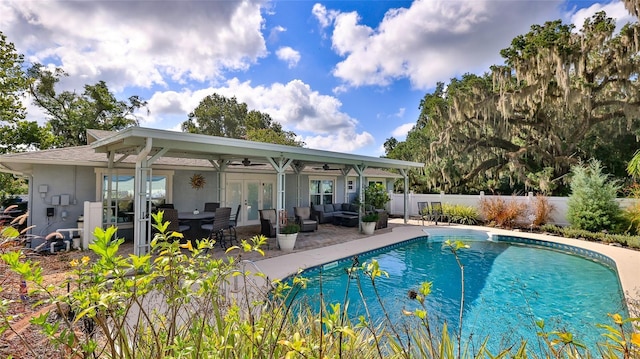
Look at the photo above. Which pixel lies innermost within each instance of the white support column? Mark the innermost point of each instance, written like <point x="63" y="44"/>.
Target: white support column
<point x="405" y="176"/>
<point x="345" y="174"/>
<point x="279" y="164"/>
<point x="141" y="206"/>
<point x="360" y="171"/>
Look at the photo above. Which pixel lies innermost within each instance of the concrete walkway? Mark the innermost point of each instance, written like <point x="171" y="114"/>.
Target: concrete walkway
<point x="282" y="265"/>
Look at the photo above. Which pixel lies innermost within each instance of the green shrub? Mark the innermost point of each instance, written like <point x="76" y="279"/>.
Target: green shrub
<point x="462" y="214"/>
<point x="592" y="203"/>
<point x="631" y="214"/>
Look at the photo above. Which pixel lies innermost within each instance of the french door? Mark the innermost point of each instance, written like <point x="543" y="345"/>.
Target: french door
<point x="252" y="195"/>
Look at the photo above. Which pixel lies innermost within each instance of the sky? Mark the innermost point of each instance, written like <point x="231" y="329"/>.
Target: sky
<point x="343" y="75"/>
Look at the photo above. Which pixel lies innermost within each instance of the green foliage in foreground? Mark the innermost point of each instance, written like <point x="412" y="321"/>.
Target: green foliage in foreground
<point x="180" y="303"/>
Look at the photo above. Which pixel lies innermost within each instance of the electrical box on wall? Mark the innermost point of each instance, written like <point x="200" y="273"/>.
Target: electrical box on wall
<point x="50" y="212"/>
<point x="64" y="199"/>
<point x="55" y="200"/>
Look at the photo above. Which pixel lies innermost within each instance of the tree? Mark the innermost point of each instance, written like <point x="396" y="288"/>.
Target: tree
<point x="217" y="115"/>
<point x="13" y="82"/>
<point x="71" y="114"/>
<point x="561" y="96"/>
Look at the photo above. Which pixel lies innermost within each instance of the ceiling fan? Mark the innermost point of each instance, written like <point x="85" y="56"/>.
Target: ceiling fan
<point x="326" y="167"/>
<point x="245" y="162"/>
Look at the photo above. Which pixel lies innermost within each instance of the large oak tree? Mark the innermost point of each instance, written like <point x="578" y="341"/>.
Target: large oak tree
<point x="561" y="96"/>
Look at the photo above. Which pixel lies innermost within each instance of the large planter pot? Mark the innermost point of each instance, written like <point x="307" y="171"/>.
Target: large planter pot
<point x="286" y="242"/>
<point x="368" y="227"/>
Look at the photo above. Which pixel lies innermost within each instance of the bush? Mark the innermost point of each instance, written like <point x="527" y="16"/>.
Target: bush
<point x="542" y="210"/>
<point x="501" y="213"/>
<point x="462" y="214"/>
<point x="592" y="203"/>
<point x="631" y="214"/>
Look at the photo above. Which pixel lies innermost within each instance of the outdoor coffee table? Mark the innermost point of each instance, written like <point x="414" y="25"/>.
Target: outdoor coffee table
<point x="347" y="220"/>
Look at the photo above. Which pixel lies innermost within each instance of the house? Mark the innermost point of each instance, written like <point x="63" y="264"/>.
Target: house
<point x="122" y="174"/>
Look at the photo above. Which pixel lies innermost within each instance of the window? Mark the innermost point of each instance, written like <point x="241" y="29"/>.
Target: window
<point x="351" y="186"/>
<point x="121" y="185"/>
<point x="321" y="191"/>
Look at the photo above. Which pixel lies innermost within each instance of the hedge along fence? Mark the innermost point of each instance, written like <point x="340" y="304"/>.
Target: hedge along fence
<point x="558" y="216"/>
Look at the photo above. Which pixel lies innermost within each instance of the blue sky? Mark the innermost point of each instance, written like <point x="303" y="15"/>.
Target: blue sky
<point x="343" y="75"/>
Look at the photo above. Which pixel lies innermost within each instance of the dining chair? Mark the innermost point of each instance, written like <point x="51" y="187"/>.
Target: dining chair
<point x="171" y="215"/>
<point x="233" y="223"/>
<point x="211" y="206"/>
<point x="219" y="225"/>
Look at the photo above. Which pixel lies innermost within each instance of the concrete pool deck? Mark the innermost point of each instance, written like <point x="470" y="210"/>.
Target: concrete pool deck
<point x="279" y="267"/>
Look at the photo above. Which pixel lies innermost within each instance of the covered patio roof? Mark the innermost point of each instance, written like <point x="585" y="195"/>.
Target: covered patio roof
<point x="221" y="151"/>
<point x="148" y="145"/>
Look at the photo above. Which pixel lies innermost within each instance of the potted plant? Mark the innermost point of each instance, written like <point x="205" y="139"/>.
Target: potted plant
<point x="369" y="222"/>
<point x="287" y="236"/>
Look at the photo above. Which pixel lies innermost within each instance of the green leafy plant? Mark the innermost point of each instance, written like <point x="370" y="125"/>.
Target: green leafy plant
<point x="376" y="196"/>
<point x="290" y="228"/>
<point x="371" y="217"/>
<point x="592" y="204"/>
<point x="462" y="214"/>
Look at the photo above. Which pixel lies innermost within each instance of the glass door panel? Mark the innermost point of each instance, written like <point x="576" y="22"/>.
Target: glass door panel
<point x="252" y="199"/>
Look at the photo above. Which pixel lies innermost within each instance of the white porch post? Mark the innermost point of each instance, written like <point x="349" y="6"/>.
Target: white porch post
<point x="405" y="197"/>
<point x="345" y="174"/>
<point x="142" y="198"/>
<point x="279" y="164"/>
<point x="360" y="171"/>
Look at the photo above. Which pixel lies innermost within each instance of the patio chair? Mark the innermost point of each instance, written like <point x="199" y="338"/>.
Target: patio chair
<point x="423" y="211"/>
<point x="219" y="225"/>
<point x="211" y="206"/>
<point x="233" y="223"/>
<point x="303" y="219"/>
<point x="268" y="221"/>
<point x="171" y="215"/>
<point x="437" y="214"/>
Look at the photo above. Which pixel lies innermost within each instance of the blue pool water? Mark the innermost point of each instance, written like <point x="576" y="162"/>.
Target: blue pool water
<point x="507" y="288"/>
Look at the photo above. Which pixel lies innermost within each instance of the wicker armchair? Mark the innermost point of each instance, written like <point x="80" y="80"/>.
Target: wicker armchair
<point x="268" y="221"/>
<point x="303" y="219"/>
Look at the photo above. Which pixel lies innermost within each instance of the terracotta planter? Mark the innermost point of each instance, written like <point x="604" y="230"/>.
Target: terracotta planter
<point x="368" y="227"/>
<point x="286" y="242"/>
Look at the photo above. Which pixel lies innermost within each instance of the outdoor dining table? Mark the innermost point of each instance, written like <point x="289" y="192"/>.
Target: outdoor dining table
<point x="195" y="221"/>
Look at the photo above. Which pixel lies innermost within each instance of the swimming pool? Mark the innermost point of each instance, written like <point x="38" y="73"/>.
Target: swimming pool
<point x="507" y="287"/>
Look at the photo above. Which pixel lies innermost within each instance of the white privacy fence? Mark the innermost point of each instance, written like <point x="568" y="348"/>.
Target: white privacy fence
<point x="558" y="216"/>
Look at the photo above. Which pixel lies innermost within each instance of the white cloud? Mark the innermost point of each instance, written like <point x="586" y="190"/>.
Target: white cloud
<point x="324" y="17"/>
<point x="137" y="43"/>
<point x="340" y="142"/>
<point x="432" y="40"/>
<point x="401" y="131"/>
<point x="275" y="32"/>
<point x="615" y="10"/>
<point x="400" y="113"/>
<point x="316" y="118"/>
<point x="288" y="55"/>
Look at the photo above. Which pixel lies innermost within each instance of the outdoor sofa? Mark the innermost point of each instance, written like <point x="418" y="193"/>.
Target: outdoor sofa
<point x="328" y="213"/>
